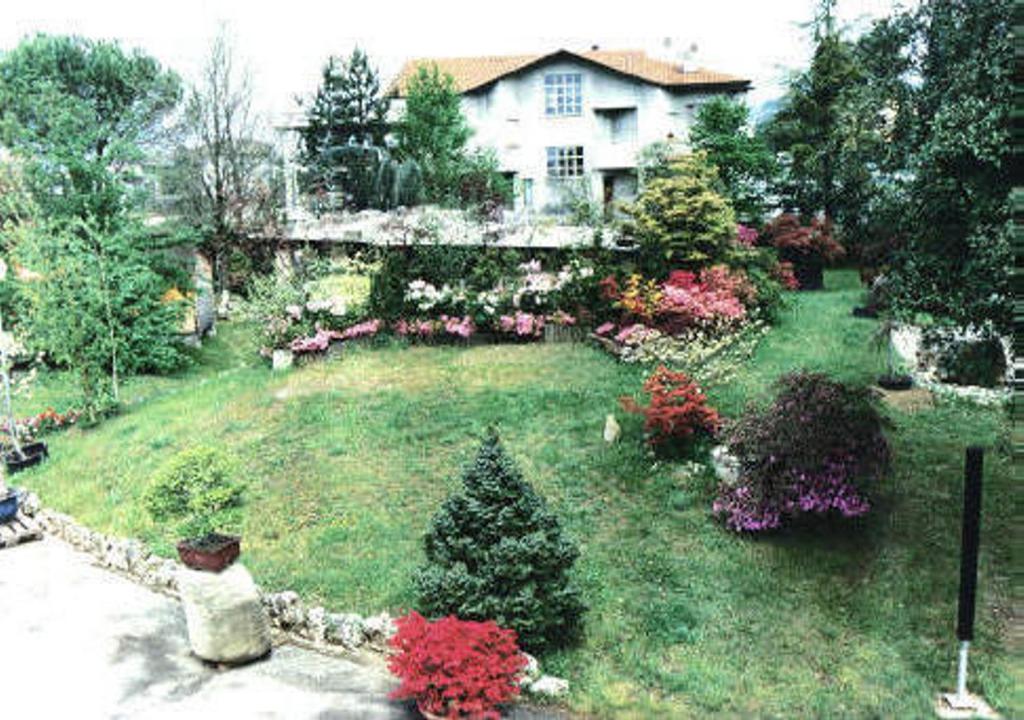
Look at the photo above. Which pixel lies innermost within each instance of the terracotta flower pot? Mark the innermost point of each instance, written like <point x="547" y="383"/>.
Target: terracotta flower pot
<point x="212" y="553"/>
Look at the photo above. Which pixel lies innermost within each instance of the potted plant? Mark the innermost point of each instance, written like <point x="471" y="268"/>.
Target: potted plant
<point x="197" y="487"/>
<point x="20" y="455"/>
<point x="807" y="247"/>
<point x="893" y="379"/>
<point x="455" y="668"/>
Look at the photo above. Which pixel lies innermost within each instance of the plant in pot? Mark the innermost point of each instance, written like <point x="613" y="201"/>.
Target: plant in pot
<point x="197" y="488"/>
<point x="808" y="247"/>
<point x="19" y="455"/>
<point x="455" y="668"/>
<point x="893" y="379"/>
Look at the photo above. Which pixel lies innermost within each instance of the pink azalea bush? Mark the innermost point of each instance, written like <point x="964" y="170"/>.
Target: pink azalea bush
<point x="321" y="339"/>
<point x="709" y="301"/>
<point x="746" y="236"/>
<point x="522" y="325"/>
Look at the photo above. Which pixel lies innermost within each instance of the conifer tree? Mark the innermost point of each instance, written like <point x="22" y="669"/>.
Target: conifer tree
<point x="343" y="141"/>
<point x="496" y="552"/>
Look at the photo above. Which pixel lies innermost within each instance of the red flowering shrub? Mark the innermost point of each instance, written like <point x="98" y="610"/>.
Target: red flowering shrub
<point x="455" y="668"/>
<point x="792" y="238"/>
<point x="678" y="410"/>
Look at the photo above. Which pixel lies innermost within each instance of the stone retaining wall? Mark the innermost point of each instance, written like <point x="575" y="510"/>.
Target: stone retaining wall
<point x="313" y="626"/>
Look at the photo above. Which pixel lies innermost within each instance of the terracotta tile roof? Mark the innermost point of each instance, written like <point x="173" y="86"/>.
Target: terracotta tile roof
<point x="471" y="73"/>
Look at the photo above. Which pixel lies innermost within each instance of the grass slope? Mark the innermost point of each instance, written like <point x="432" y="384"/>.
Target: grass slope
<point x="346" y="460"/>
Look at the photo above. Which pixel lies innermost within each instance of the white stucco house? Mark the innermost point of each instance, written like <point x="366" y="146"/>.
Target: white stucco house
<point x="567" y="122"/>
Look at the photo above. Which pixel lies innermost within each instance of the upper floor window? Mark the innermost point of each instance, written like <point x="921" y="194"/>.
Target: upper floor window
<point x="565" y="162"/>
<point x="563" y="94"/>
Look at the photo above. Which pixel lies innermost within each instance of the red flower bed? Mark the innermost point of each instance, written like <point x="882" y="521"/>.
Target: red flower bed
<point x="455" y="668"/>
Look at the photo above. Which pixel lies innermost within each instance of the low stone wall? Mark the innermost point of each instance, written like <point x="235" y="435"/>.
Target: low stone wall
<point x="907" y="340"/>
<point x="313" y="626"/>
<point x="431" y="224"/>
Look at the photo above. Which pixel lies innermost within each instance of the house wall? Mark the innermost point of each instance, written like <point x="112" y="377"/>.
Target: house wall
<point x="509" y="117"/>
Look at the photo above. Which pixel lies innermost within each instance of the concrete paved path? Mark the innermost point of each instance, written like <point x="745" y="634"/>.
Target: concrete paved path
<point x="77" y="641"/>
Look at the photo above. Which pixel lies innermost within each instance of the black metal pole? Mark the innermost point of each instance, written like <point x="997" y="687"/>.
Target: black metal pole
<point x="969" y="544"/>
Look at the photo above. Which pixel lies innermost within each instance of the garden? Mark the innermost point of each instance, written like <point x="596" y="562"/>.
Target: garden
<point x="714" y="469"/>
<point x="345" y="461"/>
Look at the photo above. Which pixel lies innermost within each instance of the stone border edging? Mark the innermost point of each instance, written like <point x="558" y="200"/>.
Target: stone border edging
<point x="313" y="627"/>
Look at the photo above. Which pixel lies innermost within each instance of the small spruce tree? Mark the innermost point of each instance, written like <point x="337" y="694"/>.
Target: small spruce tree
<point x="496" y="552"/>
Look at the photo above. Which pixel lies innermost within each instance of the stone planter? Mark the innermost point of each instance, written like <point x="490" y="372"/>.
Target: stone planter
<point x="225" y="617"/>
<point x="282" y="359"/>
<point x="808" y="268"/>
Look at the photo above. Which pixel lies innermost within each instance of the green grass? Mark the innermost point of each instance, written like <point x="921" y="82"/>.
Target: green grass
<point x="346" y="460"/>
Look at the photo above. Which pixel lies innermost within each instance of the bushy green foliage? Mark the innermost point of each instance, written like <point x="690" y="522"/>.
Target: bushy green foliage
<point x="496" y="552"/>
<point x="745" y="164"/>
<point x="194" y="487"/>
<point x="680" y="219"/>
<point x="343" y="151"/>
<point x="438" y="264"/>
<point x="956" y="262"/>
<point x="78" y="112"/>
<point x="97" y="304"/>
<point x="433" y="132"/>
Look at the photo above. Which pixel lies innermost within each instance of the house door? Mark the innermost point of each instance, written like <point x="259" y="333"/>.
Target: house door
<point x="609" y="190"/>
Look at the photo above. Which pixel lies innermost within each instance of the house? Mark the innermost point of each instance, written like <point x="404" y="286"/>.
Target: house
<point x="569" y="125"/>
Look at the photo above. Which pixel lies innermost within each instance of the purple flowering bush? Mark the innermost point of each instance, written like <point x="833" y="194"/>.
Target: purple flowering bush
<point x="815" y="449"/>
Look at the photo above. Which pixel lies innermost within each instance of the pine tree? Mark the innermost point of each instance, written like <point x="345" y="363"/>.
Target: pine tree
<point x="496" y="552"/>
<point x="343" y="141"/>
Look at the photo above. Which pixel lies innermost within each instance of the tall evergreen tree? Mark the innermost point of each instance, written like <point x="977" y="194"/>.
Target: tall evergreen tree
<point x="346" y="124"/>
<point x="807" y="128"/>
<point x="496" y="552"/>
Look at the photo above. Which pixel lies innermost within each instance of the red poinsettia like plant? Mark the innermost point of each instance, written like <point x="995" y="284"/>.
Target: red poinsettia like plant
<point x="678" y="409"/>
<point x="792" y="237"/>
<point x="455" y="668"/>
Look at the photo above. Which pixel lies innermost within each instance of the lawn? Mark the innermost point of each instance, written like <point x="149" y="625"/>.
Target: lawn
<point x="347" y="459"/>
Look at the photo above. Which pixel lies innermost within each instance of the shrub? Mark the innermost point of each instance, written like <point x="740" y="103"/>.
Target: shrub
<point x="496" y="552"/>
<point x="194" y="487"/>
<point x="680" y="218"/>
<point x="455" y="668"/>
<point x="795" y="240"/>
<point x="815" y="448"/>
<point x="677" y="412"/>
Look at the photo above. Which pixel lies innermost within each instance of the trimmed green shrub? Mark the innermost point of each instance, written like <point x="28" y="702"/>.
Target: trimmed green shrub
<point x="496" y="552"/>
<point x="194" y="487"/>
<point x="679" y="219"/>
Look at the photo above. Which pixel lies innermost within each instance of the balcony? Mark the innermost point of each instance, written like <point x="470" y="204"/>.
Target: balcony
<point x="614" y="155"/>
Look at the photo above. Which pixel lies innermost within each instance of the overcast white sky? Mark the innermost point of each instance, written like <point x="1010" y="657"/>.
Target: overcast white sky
<point x="285" y="42"/>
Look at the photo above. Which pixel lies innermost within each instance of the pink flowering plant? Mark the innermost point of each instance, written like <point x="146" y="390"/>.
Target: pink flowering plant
<point x="815" y="450"/>
<point x="322" y="338"/>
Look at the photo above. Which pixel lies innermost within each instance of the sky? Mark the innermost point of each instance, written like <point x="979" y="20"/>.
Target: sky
<point x="285" y="42"/>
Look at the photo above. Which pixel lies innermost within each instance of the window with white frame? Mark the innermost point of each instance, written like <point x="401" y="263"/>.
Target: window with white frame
<point x="563" y="94"/>
<point x="565" y="162"/>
